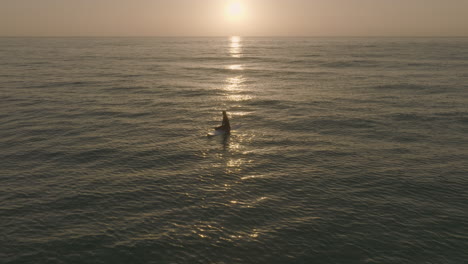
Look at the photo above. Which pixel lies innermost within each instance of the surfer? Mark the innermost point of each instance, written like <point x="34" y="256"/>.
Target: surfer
<point x="225" y="127"/>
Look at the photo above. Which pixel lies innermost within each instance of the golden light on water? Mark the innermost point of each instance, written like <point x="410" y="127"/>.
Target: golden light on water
<point x="234" y="85"/>
<point x="235" y="47"/>
<point x="235" y="40"/>
<point x="239" y="97"/>
<point x="235" y="50"/>
<point x="234" y="88"/>
<point x="236" y="67"/>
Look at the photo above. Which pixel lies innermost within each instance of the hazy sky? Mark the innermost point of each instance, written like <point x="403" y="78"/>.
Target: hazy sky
<point x="247" y="17"/>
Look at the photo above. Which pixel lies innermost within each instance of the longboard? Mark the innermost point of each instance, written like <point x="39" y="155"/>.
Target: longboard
<point x="221" y="132"/>
<point x="216" y="133"/>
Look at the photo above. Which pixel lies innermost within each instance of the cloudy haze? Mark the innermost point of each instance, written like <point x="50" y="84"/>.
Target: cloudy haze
<point x="208" y="18"/>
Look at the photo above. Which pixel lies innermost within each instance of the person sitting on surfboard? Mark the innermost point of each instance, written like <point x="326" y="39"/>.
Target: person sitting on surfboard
<point x="225" y="127"/>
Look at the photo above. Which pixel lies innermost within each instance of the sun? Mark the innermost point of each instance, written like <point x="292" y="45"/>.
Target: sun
<point x="234" y="10"/>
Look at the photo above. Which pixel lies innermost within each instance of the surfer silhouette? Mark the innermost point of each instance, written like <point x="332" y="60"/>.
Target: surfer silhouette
<point x="225" y="126"/>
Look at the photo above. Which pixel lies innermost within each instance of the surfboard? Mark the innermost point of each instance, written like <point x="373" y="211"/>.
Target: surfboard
<point x="221" y="132"/>
<point x="216" y="133"/>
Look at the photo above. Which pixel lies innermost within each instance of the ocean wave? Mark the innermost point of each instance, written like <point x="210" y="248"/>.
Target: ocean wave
<point x="350" y="64"/>
<point x="341" y="142"/>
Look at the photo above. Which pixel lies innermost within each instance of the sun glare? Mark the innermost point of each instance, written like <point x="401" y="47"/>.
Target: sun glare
<point x="234" y="10"/>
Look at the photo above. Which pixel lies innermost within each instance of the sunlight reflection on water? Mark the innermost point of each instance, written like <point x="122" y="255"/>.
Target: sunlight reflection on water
<point x="236" y="67"/>
<point x="235" y="47"/>
<point x="334" y="129"/>
<point x="235" y="83"/>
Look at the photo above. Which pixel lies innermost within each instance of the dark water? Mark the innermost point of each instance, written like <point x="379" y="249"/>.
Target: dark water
<point x="349" y="150"/>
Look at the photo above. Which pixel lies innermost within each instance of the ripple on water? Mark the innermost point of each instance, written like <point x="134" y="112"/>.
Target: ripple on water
<point x="105" y="158"/>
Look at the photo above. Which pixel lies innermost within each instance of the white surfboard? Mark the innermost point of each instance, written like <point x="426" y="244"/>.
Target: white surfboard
<point x="216" y="133"/>
<point x="221" y="132"/>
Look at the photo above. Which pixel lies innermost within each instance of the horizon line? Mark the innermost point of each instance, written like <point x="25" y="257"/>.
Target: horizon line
<point x="228" y="36"/>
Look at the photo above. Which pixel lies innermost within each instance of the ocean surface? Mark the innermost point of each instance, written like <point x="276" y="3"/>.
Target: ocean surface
<point x="348" y="150"/>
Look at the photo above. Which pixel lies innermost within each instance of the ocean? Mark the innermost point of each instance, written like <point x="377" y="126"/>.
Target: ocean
<point x="347" y="150"/>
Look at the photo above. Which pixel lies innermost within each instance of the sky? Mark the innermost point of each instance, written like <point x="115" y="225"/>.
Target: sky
<point x="233" y="17"/>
